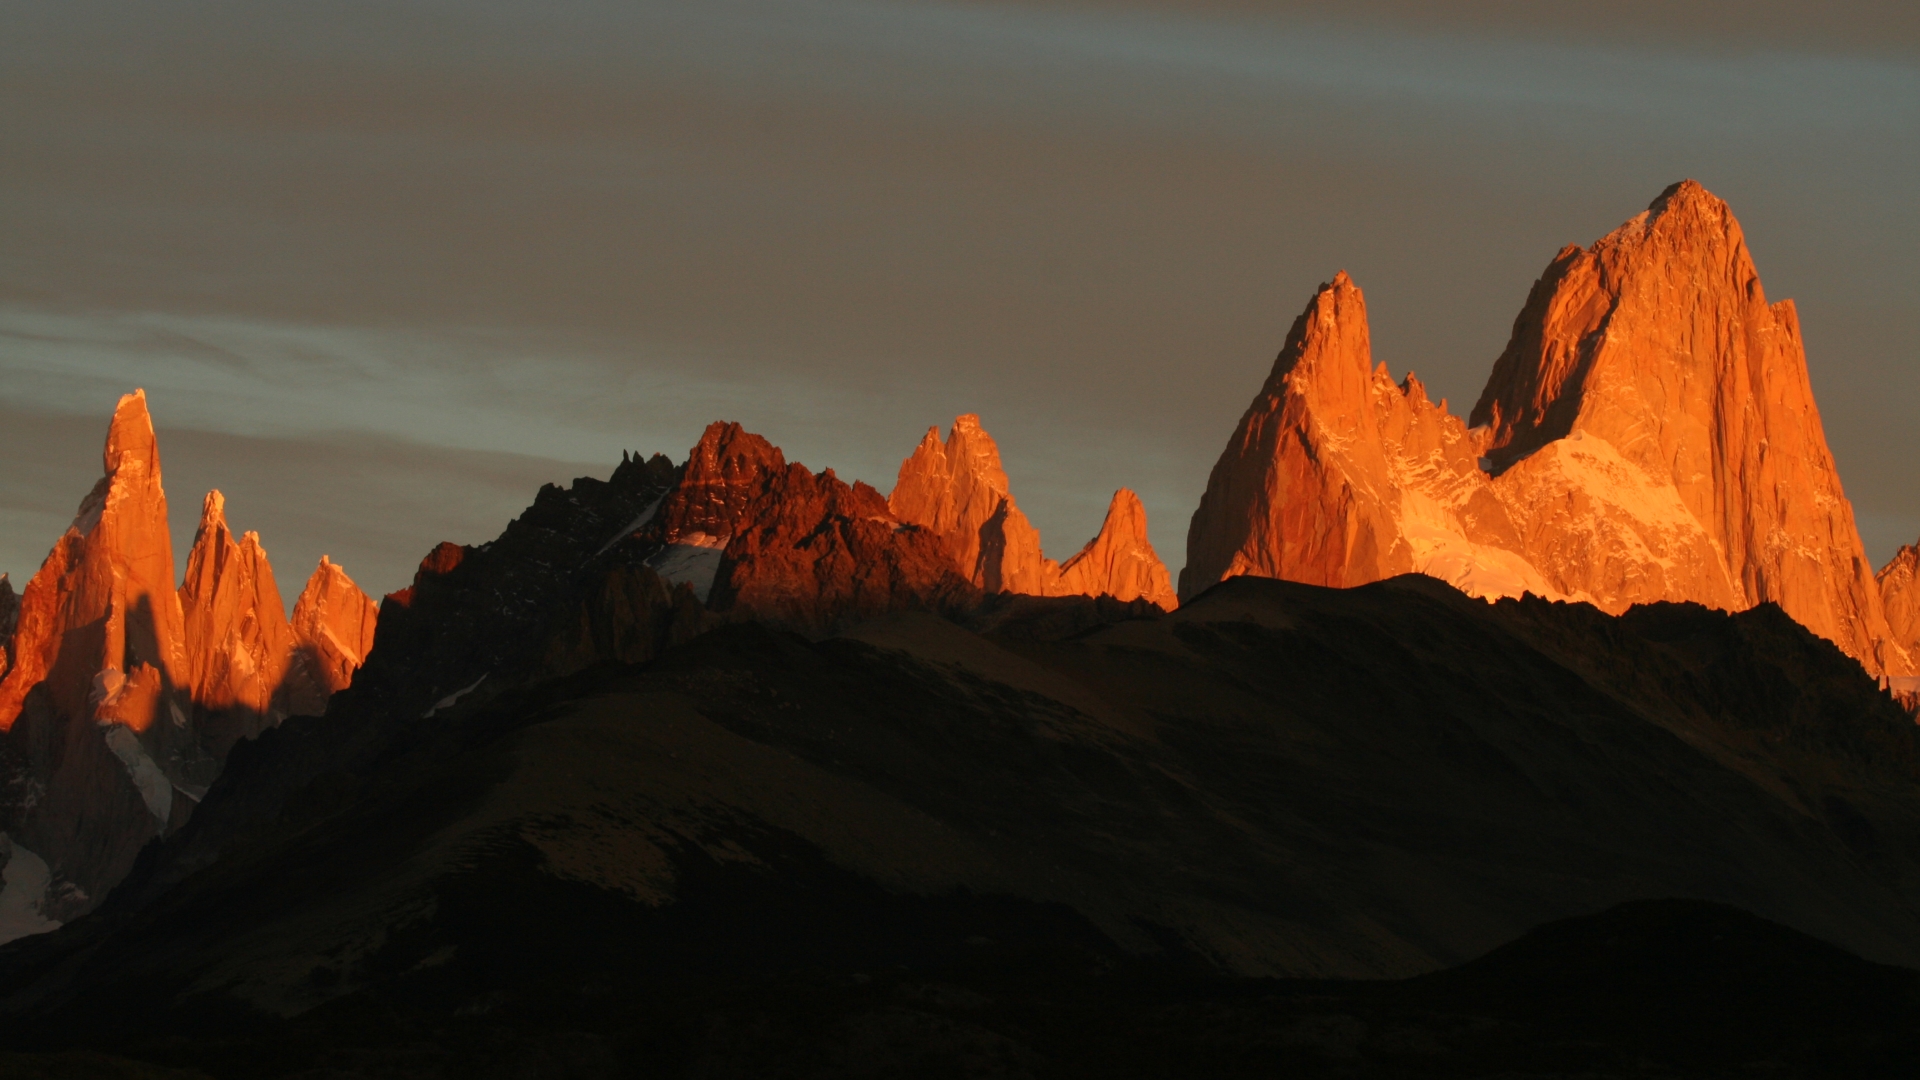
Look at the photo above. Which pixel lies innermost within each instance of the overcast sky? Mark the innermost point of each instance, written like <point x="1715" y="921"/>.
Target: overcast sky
<point x="385" y="267"/>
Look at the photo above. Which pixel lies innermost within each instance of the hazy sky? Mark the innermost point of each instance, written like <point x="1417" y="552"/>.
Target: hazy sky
<point x="385" y="267"/>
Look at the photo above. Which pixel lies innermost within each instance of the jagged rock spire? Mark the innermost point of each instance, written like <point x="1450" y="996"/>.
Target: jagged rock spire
<point x="121" y="693"/>
<point x="959" y="490"/>
<point x="104" y="601"/>
<point x="333" y="628"/>
<point x="1120" y="561"/>
<point x="1899" y="584"/>
<point x="238" y="642"/>
<point x="1648" y="434"/>
<point x="1659" y="341"/>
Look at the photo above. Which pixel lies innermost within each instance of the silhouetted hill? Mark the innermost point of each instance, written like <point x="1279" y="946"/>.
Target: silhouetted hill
<point x="753" y="847"/>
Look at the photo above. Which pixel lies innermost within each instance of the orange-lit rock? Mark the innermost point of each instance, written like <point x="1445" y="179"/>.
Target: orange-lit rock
<point x="1648" y="434"/>
<point x="121" y="693"/>
<point x="1659" y="342"/>
<point x="958" y="490"/>
<point x="1120" y="562"/>
<point x="1900" y="597"/>
<point x="103" y="604"/>
<point x="750" y="532"/>
<point x="332" y="632"/>
<point x="9" y="618"/>
<point x="238" y="643"/>
<point x="94" y="706"/>
<point x="1338" y="476"/>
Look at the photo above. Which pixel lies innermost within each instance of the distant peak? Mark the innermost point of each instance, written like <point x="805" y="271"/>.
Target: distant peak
<point x="1127" y="510"/>
<point x="213" y="510"/>
<point x="1338" y="295"/>
<point x="130" y="439"/>
<point x="726" y="447"/>
<point x="329" y="575"/>
<point x="1687" y="199"/>
<point x="1684" y="191"/>
<point x="327" y="571"/>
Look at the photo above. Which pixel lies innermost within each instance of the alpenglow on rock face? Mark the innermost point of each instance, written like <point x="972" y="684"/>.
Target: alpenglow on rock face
<point x="121" y="694"/>
<point x="333" y="624"/>
<point x="238" y="642"/>
<point x="1648" y="434"/>
<point x="754" y="534"/>
<point x="1899" y="583"/>
<point x="959" y="490"/>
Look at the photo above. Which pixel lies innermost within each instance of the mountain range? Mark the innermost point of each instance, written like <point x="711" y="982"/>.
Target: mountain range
<point x="121" y="694"/>
<point x="1648" y="434"/>
<point x="728" y="767"/>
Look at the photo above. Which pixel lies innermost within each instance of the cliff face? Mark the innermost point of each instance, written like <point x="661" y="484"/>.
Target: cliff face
<point x="238" y="643"/>
<point x="1659" y="342"/>
<point x="103" y="603"/>
<point x="95" y="705"/>
<point x="1649" y="434"/>
<point x="1900" y="598"/>
<point x="959" y="491"/>
<point x="1338" y="476"/>
<point x="1119" y="562"/>
<point x="122" y="694"/>
<point x="332" y="633"/>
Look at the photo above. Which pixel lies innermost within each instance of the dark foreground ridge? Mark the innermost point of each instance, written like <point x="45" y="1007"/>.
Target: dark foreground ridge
<point x="572" y="821"/>
<point x="1665" y="988"/>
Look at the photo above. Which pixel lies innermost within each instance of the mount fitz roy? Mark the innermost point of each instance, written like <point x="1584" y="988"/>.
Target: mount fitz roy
<point x="121" y="695"/>
<point x="1649" y="434"/>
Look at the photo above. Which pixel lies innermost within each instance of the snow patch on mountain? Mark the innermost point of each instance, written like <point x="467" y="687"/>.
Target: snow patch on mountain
<point x="155" y="789"/>
<point x="26" y="877"/>
<point x="694" y="559"/>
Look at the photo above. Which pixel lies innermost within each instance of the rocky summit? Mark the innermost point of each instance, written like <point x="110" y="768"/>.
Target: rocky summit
<point x="123" y="694"/>
<point x="1648" y="434"/>
<point x="799" y="549"/>
<point x="959" y="491"/>
<point x="333" y="624"/>
<point x="238" y="643"/>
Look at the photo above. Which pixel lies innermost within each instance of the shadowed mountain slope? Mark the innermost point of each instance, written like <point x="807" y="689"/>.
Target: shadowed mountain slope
<point x="1278" y="779"/>
<point x="563" y="784"/>
<point x="120" y="695"/>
